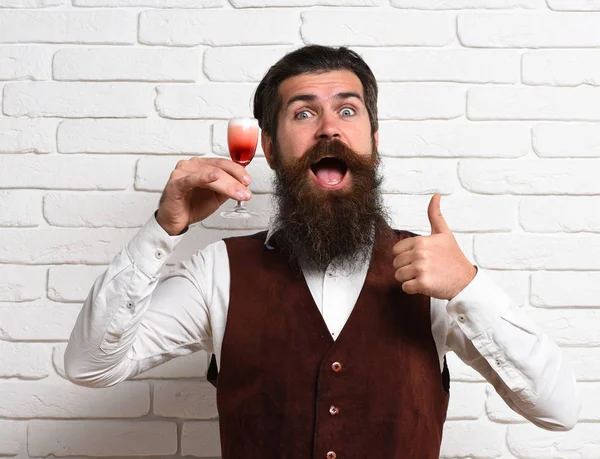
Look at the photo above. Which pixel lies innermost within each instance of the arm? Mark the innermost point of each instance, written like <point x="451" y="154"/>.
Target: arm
<point x="132" y="320"/>
<point x="495" y="337"/>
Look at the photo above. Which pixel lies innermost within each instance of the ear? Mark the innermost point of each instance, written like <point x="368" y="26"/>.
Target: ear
<point x="267" y="146"/>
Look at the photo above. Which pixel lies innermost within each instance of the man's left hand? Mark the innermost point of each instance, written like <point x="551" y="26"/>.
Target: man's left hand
<point x="433" y="265"/>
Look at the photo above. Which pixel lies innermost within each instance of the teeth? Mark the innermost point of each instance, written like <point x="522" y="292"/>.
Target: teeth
<point x="333" y="182"/>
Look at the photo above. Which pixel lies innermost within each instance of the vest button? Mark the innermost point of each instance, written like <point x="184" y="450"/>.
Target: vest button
<point x="334" y="410"/>
<point x="336" y="366"/>
<point x="331" y="455"/>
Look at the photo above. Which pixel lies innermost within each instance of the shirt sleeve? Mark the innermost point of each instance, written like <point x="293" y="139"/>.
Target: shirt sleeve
<point x="133" y="320"/>
<point x="494" y="336"/>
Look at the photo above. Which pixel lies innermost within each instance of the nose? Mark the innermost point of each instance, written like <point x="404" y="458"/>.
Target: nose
<point x="328" y="128"/>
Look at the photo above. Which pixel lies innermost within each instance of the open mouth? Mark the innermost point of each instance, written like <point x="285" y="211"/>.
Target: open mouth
<point x="329" y="171"/>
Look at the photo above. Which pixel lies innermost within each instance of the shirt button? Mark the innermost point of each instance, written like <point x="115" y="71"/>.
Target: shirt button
<point x="129" y="304"/>
<point x="159" y="254"/>
<point x="331" y="455"/>
<point x="498" y="362"/>
<point x="336" y="366"/>
<point x="461" y="319"/>
<point x="333" y="410"/>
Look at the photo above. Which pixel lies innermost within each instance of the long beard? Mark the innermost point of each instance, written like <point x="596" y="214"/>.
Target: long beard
<point x="317" y="227"/>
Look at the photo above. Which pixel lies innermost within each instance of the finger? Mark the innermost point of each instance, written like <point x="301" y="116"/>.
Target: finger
<point x="404" y="259"/>
<point x="404" y="245"/>
<point x="436" y="219"/>
<point x="406" y="273"/>
<point x="411" y="287"/>
<point x="235" y="170"/>
<point x="225" y="185"/>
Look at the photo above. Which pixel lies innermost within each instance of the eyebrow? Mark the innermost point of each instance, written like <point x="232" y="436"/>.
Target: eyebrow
<point x="312" y="97"/>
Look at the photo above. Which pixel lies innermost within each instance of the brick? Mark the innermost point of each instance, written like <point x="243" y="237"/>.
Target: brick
<point x="569" y="327"/>
<point x="539" y="251"/>
<point x="20" y="208"/>
<point x="558" y="214"/>
<point x="421" y="102"/>
<point x="574" y="5"/>
<point x="155" y="136"/>
<point x="37" y="322"/>
<point x="94" y="210"/>
<point x="27" y="136"/>
<point x="216" y="100"/>
<point x="200" y="439"/>
<point x="25" y="62"/>
<point x="530" y="442"/>
<point x="218" y="28"/>
<point x="576" y="104"/>
<point x="11" y="435"/>
<point x="72" y="283"/>
<point x="453" y="140"/>
<point x="127" y="64"/>
<point x="569" y="140"/>
<point x="60" y="172"/>
<point x="473" y="439"/>
<point x="288" y="3"/>
<point x="152" y="3"/>
<point x="219" y="137"/>
<point x="584" y="362"/>
<point x="470" y="213"/>
<point x="465" y="4"/>
<point x="560" y="68"/>
<point x="188" y="400"/>
<point x="101" y="438"/>
<point x="62" y="399"/>
<point x="460" y="371"/>
<point x="241" y="63"/>
<point x="102" y="100"/>
<point x="22" y="283"/>
<point x="466" y="401"/>
<point x="261" y="204"/>
<point x="530" y="177"/>
<point x="30" y="3"/>
<point x="377" y="28"/>
<point x="418" y="176"/>
<point x="24" y="361"/>
<point x="543" y="30"/>
<point x="514" y="283"/>
<point x="80" y="27"/>
<point x="73" y="246"/>
<point x="152" y="173"/>
<point x="548" y="289"/>
<point x="451" y="65"/>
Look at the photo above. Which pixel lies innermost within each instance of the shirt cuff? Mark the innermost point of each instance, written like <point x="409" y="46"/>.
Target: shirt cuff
<point x="481" y="303"/>
<point x="151" y="247"/>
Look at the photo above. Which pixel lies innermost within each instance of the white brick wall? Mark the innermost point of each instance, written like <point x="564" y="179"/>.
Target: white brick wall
<point x="493" y="103"/>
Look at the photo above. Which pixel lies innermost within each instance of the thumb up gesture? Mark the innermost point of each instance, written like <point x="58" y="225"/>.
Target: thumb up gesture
<point x="433" y="265"/>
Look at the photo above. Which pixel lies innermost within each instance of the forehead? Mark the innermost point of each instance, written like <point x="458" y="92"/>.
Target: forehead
<point x="323" y="85"/>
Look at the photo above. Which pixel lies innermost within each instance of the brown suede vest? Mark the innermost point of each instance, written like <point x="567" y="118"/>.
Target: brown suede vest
<point x="287" y="390"/>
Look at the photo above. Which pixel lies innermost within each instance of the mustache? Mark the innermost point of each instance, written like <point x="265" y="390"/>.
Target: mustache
<point x="335" y="149"/>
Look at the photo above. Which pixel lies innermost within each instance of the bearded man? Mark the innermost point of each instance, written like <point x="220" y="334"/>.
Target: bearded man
<point x="329" y="331"/>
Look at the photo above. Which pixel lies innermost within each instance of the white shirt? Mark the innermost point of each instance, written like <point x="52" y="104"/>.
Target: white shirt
<point x="133" y="320"/>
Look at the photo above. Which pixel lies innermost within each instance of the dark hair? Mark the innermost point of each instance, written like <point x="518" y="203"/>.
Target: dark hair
<point x="310" y="59"/>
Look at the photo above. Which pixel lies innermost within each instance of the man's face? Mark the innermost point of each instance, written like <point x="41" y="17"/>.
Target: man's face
<point x="325" y="161"/>
<point x="317" y="107"/>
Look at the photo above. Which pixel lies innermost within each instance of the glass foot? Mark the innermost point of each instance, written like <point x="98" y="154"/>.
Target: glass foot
<point x="239" y="212"/>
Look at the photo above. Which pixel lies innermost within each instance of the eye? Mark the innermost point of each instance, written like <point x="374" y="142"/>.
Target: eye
<point x="347" y="111"/>
<point x="304" y="114"/>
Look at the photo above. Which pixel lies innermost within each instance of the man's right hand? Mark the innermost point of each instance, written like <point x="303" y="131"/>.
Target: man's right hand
<point x="197" y="188"/>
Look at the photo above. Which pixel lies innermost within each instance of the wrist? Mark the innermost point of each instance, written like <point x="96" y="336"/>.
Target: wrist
<point x="169" y="229"/>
